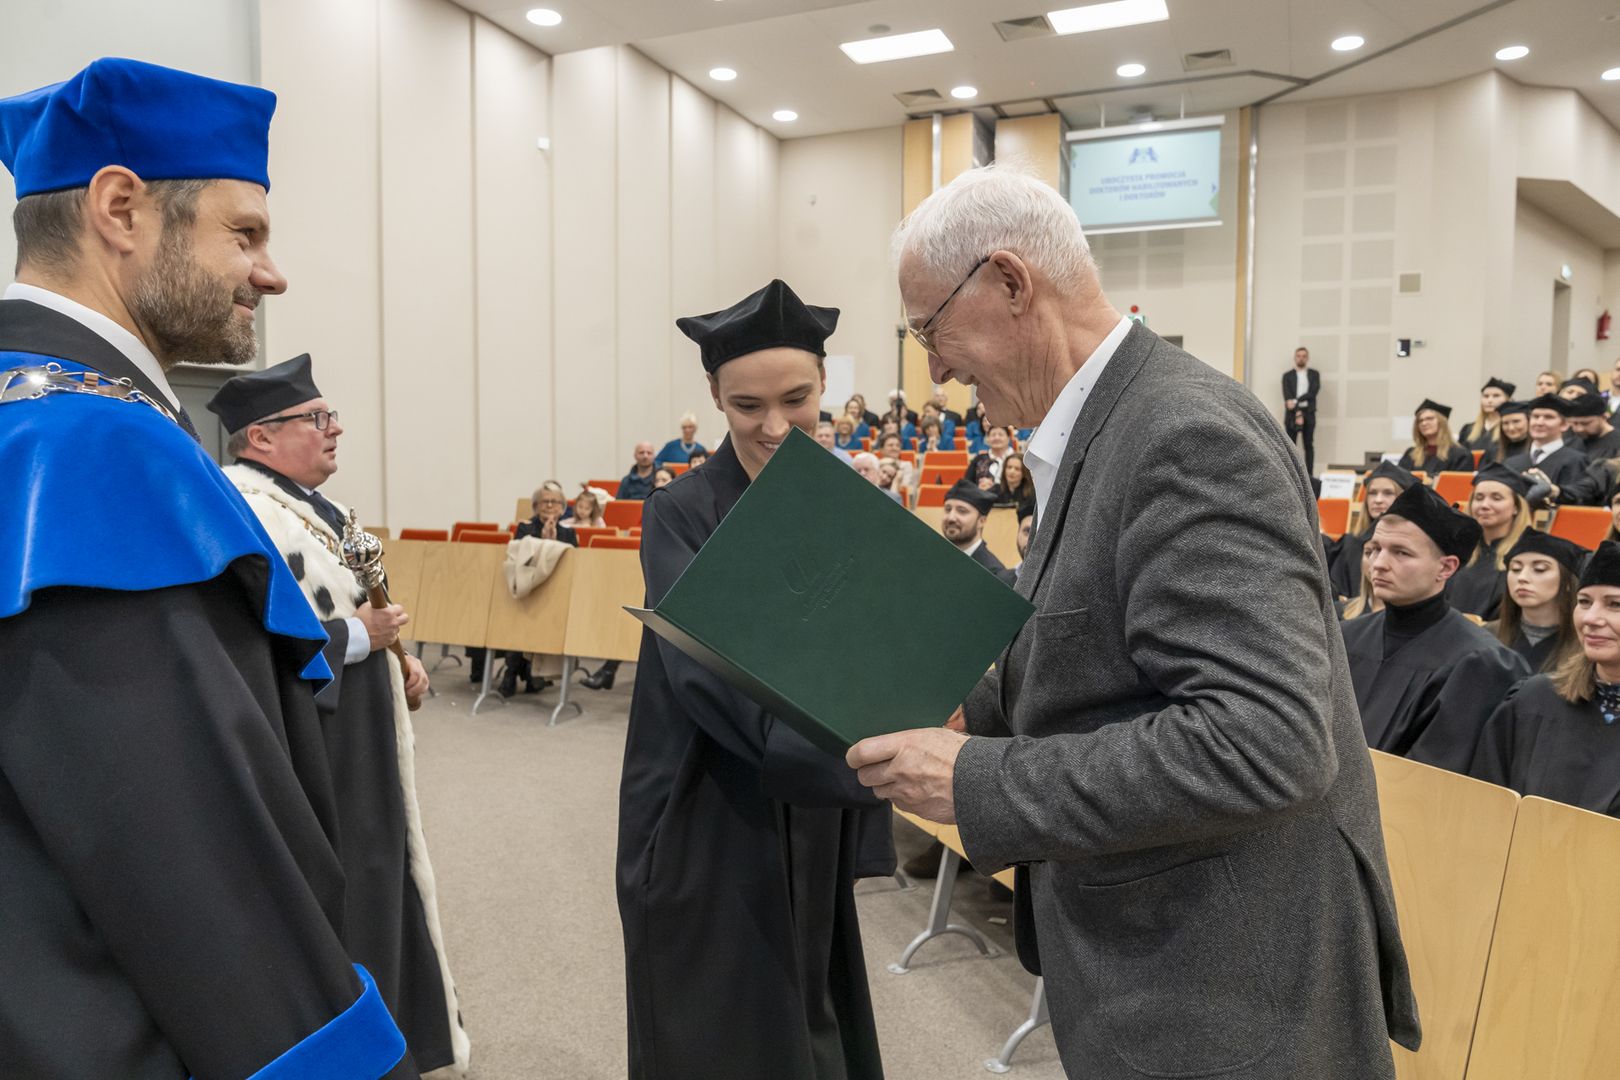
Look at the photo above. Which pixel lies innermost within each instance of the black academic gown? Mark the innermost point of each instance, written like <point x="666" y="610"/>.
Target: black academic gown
<point x="1539" y="744"/>
<point x="739" y="843"/>
<point x="1603" y="447"/>
<point x="1536" y="655"/>
<point x="172" y="898"/>
<point x="1431" y="696"/>
<point x="987" y="559"/>
<point x="1344" y="563"/>
<point x="1460" y="459"/>
<point x="1563" y="466"/>
<point x="1483" y="439"/>
<point x="1478" y="588"/>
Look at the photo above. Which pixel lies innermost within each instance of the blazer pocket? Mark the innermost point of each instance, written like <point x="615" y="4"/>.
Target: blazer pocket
<point x="1061" y="625"/>
<point x="1183" y="990"/>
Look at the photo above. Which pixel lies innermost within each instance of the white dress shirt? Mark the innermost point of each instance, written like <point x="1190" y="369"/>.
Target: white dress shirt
<point x="116" y="336"/>
<point x="1538" y="454"/>
<point x="1301" y="383"/>
<point x="1044" y="453"/>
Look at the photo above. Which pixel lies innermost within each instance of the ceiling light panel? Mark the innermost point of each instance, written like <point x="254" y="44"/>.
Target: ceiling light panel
<point x="1513" y="52"/>
<point x="962" y="93"/>
<point x="1092" y="17"/>
<point x="897" y="47"/>
<point x="543" y="17"/>
<point x="1348" y="43"/>
<point x="722" y="74"/>
<point x="1130" y="71"/>
<point x="784" y="116"/>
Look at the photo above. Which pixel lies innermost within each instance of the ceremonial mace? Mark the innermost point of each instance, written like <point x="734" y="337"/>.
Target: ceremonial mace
<point x="363" y="553"/>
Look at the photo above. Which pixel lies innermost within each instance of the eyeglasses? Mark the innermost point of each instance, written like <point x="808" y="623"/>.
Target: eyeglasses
<point x="320" y="417"/>
<point x="920" y="334"/>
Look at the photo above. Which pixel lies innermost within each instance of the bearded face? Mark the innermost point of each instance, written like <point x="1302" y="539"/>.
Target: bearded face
<point x="190" y="314"/>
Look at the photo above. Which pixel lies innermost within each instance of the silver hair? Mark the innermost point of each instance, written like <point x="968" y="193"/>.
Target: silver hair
<point x="996" y="208"/>
<point x="687" y="418"/>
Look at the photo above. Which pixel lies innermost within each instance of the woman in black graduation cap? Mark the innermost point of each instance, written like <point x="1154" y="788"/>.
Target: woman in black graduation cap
<point x="1480" y="432"/>
<point x="1512" y="430"/>
<point x="1538" y="608"/>
<point x="1499" y="505"/>
<point x="739" y="841"/>
<point x="1378" y="490"/>
<point x="1433" y="448"/>
<point x="1558" y="734"/>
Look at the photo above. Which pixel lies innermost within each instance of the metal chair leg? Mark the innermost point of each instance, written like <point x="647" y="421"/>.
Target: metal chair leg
<point x="563" y="701"/>
<point x="1038" y="1016"/>
<point x="939" y="913"/>
<point x="484" y="691"/>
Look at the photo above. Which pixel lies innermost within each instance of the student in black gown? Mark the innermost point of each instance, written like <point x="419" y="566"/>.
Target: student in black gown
<point x="739" y="841"/>
<point x="1538" y="610"/>
<point x="1364" y="602"/>
<point x="1498" y="504"/>
<point x="967" y="508"/>
<point x="1550" y="460"/>
<point x="1558" y="735"/>
<point x="1378" y="490"/>
<point x="1512" y="430"/>
<point x="1590" y="429"/>
<point x="1426" y="677"/>
<point x="1434" y="449"/>
<point x="1480" y="432"/>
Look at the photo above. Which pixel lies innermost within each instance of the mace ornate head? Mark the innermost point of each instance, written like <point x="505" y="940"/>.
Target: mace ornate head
<point x="362" y="553"/>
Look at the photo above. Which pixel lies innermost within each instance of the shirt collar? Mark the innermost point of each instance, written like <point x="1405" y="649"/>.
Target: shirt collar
<point x="119" y="338"/>
<point x="1046" y="447"/>
<point x="1556" y="444"/>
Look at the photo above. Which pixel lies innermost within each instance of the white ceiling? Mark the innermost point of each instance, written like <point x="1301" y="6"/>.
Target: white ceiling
<point x="786" y="52"/>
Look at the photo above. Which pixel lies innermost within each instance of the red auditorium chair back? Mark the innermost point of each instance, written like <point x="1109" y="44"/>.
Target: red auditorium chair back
<point x="477" y="526"/>
<point x="1455" y="487"/>
<point x="623" y="513"/>
<point x="609" y="486"/>
<point x="932" y="494"/>
<point x="1335" y="515"/>
<point x="677" y="467"/>
<point x="583" y="533"/>
<point x="424" y="534"/>
<point x="632" y="543"/>
<point x="1583" y="525"/>
<point x="481" y="536"/>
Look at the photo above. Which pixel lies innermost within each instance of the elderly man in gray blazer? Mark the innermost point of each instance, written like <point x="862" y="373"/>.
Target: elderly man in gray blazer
<point x="1169" y="752"/>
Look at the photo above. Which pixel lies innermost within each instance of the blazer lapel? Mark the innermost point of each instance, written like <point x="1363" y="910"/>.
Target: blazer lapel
<point x="1122" y="368"/>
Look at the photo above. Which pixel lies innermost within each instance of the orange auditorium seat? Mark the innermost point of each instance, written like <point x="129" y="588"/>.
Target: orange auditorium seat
<point x="932" y="494"/>
<point x="677" y="467"/>
<point x="934" y="474"/>
<point x="1334" y="514"/>
<point x="478" y="526"/>
<point x="623" y="513"/>
<point x="1455" y="487"/>
<point x="1583" y="525"/>
<point x="423" y="534"/>
<point x="609" y="486"/>
<point x="1477" y="455"/>
<point x="583" y="533"/>
<point x="632" y="543"/>
<point x="480" y="536"/>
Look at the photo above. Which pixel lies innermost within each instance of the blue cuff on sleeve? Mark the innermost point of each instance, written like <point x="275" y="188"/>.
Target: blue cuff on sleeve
<point x="360" y="1043"/>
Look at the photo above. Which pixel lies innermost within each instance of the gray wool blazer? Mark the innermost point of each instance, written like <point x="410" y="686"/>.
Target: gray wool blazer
<point x="1171" y="755"/>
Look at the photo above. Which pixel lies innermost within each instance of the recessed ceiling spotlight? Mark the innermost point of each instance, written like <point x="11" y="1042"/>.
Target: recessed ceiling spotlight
<point x="784" y="116"/>
<point x="1348" y="43"/>
<point x="897" y="46"/>
<point x="1611" y="75"/>
<point x="722" y="74"/>
<point x="1130" y="71"/>
<point x="962" y="93"/>
<point x="543" y="16"/>
<point x="1083" y="20"/>
<point x="1513" y="52"/>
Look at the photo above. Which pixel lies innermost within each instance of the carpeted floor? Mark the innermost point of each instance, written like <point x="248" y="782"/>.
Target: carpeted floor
<point x="520" y="822"/>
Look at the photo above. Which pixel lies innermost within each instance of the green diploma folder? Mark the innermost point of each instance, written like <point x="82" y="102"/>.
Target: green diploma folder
<point x="790" y="602"/>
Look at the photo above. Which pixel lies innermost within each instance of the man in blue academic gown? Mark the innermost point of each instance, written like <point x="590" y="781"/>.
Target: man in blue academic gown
<point x="172" y="896"/>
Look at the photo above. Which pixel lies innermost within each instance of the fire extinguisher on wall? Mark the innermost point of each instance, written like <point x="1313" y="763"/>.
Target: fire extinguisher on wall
<point x="1603" y="326"/>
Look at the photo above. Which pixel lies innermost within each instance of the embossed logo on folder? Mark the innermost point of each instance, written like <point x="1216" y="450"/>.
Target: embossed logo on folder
<point x="816" y="592"/>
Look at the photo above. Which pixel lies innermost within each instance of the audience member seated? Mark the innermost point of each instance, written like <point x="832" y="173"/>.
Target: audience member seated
<point x="1548" y="462"/>
<point x="889" y="448"/>
<point x="1480" y="432"/>
<point x="1599" y="440"/>
<point x="1556" y="736"/>
<point x="966" y="508"/>
<point x="638" y="482"/>
<point x="985" y="470"/>
<point x="1612" y="394"/>
<point x="1588" y="375"/>
<point x="1026" y="528"/>
<point x="1378" y="490"/>
<point x="844" y="437"/>
<point x="1575" y="387"/>
<point x="1426" y="676"/>
<point x="662" y="478"/>
<point x="1433" y="450"/>
<point x="867" y="465"/>
<point x="941" y="402"/>
<point x="898" y="411"/>
<point x="1538" y="612"/>
<point x="1016" y="487"/>
<point x="678" y="451"/>
<point x="867" y="418"/>
<point x="931" y="439"/>
<point x="855" y="410"/>
<point x="548" y="505"/>
<point x="1512" y="430"/>
<point x="974" y="431"/>
<point x="1498" y="504"/>
<point x="889" y="477"/>
<point x="826" y="436"/>
<point x="1365" y="602"/>
<point x="1548" y="382"/>
<point x="698" y="457"/>
<point x="587" y="511"/>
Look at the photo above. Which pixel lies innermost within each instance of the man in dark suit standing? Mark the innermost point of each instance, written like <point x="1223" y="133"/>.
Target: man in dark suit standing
<point x="1300" y="387"/>
<point x="1169" y="752"/>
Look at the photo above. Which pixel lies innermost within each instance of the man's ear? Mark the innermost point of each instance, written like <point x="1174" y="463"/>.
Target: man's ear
<point x="714" y="390"/>
<point x="117" y="209"/>
<point x="1014" y="280"/>
<point x="1449" y="565"/>
<point x="259" y="438"/>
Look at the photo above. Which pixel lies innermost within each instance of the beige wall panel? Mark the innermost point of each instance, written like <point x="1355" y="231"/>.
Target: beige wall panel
<point x="644" y="211"/>
<point x="427" y="283"/>
<point x="511" y="111"/>
<point x="840" y="201"/>
<point x="1033" y="141"/>
<point x="1542" y="247"/>
<point x="321" y="59"/>
<point x="585" y="316"/>
<point x="956" y="135"/>
<point x="693" y="283"/>
<point x="767" y="252"/>
<point x="737" y="198"/>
